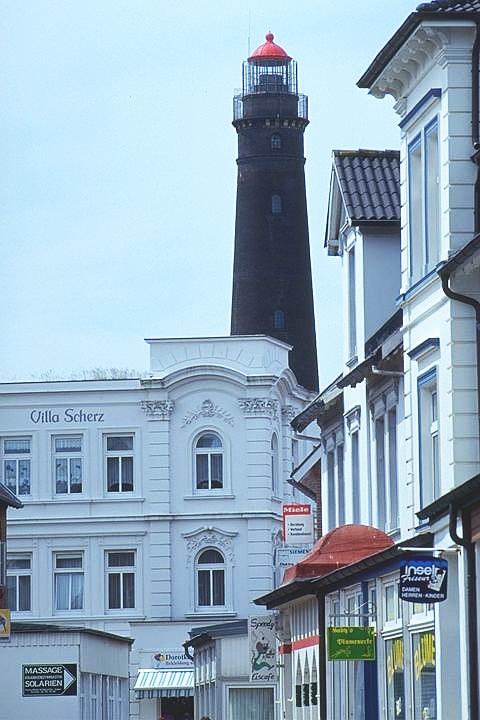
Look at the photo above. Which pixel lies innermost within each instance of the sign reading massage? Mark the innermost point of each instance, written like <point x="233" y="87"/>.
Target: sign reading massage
<point x="423" y="580"/>
<point x="351" y="643"/>
<point x="297" y="524"/>
<point x="262" y="648"/>
<point x="68" y="416"/>
<point x="49" y="680"/>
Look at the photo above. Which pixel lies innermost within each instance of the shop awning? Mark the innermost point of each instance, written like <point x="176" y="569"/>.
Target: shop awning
<point x="164" y="683"/>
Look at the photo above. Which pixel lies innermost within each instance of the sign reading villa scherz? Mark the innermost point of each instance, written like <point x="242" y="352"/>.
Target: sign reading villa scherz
<point x="351" y="643"/>
<point x="423" y="579"/>
<point x="49" y="679"/>
<point x="69" y="416"/>
<point x="262" y="648"/>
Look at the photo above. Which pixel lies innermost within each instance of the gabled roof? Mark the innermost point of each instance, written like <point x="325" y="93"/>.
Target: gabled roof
<point x="8" y="498"/>
<point x="453" y="9"/>
<point x="370" y="184"/>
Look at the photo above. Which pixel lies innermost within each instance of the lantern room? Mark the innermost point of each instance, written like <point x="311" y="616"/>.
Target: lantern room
<point x="269" y="69"/>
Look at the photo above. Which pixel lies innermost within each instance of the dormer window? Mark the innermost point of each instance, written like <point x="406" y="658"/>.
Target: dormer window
<point x="424" y="201"/>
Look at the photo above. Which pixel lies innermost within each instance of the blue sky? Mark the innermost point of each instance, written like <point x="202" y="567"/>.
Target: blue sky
<point x="117" y="189"/>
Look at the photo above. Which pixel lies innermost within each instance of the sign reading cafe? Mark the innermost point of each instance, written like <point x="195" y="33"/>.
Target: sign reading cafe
<point x="66" y="415"/>
<point x="423" y="580"/>
<point x="262" y="648"/>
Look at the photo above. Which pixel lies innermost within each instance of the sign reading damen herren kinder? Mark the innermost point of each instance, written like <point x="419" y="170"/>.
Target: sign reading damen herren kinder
<point x="423" y="580"/>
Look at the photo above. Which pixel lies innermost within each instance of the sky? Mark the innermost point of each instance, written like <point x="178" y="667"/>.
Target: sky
<point x="118" y="174"/>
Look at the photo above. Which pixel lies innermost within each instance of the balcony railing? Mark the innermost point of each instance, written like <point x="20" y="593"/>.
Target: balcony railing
<point x="238" y="112"/>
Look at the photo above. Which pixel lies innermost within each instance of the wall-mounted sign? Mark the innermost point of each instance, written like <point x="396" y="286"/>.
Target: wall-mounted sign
<point x="423" y="579"/>
<point x="5" y="625"/>
<point x="262" y="648"/>
<point x="288" y="555"/>
<point x="51" y="679"/>
<point x="175" y="658"/>
<point x="69" y="416"/>
<point x="298" y="524"/>
<point x="351" y="643"/>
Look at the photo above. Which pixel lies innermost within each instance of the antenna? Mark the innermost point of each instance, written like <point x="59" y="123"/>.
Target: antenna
<point x="249" y="24"/>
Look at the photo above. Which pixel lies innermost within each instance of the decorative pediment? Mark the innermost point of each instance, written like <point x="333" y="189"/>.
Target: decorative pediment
<point x="206" y="537"/>
<point x="207" y="409"/>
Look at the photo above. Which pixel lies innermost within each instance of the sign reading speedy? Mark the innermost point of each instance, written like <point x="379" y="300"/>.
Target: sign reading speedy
<point x="423" y="580"/>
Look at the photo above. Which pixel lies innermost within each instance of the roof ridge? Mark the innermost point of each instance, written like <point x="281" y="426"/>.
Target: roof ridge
<point x="369" y="152"/>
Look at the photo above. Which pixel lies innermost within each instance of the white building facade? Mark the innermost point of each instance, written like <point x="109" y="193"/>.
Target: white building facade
<point x="151" y="505"/>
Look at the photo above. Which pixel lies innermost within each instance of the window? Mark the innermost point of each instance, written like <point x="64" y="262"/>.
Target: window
<point x="119" y="454"/>
<point x="68" y="464"/>
<point x="355" y="479"/>
<point x="209" y="462"/>
<point x="428" y="438"/>
<point x="340" y="486"/>
<point x="276" y="142"/>
<point x="251" y="702"/>
<point x="276" y="205"/>
<point x="395" y="679"/>
<point x="121" y="579"/>
<point x="16" y="465"/>
<point x="392" y="603"/>
<point x="274" y="462"/>
<point x="385" y="433"/>
<point x="68" y="581"/>
<point x="424" y="685"/>
<point x="210" y="579"/>
<point x="279" y="320"/>
<point x="424" y="201"/>
<point x="19" y="583"/>
<point x="332" y="502"/>
<point x="352" y="312"/>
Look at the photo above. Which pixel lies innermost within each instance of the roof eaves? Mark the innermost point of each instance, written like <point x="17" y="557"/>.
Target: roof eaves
<point x="461" y="256"/>
<point x="461" y="496"/>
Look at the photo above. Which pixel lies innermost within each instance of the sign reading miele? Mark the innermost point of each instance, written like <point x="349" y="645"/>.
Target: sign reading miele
<point x="66" y="415"/>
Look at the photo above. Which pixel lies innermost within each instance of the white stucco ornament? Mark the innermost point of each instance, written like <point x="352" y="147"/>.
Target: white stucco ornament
<point x="207" y="409"/>
<point x="157" y="409"/>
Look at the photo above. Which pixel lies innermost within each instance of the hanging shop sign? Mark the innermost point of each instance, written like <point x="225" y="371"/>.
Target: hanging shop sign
<point x="262" y="648"/>
<point x="49" y="679"/>
<point x="423" y="579"/>
<point x="172" y="658"/>
<point x="298" y="524"/>
<point x="5" y="625"/>
<point x="288" y="555"/>
<point x="351" y="643"/>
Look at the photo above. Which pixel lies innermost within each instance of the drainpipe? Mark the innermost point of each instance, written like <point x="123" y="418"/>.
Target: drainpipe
<point x="471" y="591"/>
<point x="322" y="658"/>
<point x="475" y="122"/>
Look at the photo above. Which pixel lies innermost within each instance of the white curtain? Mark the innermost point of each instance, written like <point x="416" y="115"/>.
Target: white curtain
<point x="251" y="704"/>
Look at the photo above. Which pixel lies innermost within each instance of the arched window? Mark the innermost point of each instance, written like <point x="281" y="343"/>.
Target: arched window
<point x="274" y="462"/>
<point x="279" y="320"/>
<point x="276" y="142"/>
<point x="306" y="684"/>
<point x="210" y="571"/>
<point x="209" y="462"/>
<point x="276" y="205"/>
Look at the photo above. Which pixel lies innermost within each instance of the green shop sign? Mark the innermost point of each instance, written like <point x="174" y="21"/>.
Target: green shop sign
<point x="351" y="643"/>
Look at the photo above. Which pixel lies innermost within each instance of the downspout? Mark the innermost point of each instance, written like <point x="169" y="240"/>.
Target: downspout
<point x="471" y="591"/>
<point x="322" y="658"/>
<point x="475" y="122"/>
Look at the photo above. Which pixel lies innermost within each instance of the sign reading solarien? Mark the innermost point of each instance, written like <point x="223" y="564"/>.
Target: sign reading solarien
<point x="423" y="579"/>
<point x="298" y="524"/>
<point x="49" y="679"/>
<point x="5" y="625"/>
<point x="351" y="643"/>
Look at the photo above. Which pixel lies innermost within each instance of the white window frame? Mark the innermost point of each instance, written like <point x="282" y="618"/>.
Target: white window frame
<point x="70" y="456"/>
<point x="120" y="455"/>
<point x="428" y="437"/>
<point x="20" y="573"/>
<point x="423" y="210"/>
<point x="121" y="571"/>
<point x="386" y="483"/>
<point x="208" y="452"/>
<point x="210" y="568"/>
<point x="274" y="464"/>
<point x="334" y="449"/>
<point x="17" y="458"/>
<point x="352" y="304"/>
<point x="70" y="571"/>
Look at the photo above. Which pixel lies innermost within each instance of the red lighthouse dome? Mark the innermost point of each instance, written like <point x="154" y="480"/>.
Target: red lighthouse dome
<point x="269" y="51"/>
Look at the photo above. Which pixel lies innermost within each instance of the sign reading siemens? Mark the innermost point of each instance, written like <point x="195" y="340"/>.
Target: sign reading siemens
<point x="49" y="679"/>
<point x="423" y="580"/>
<point x="67" y="415"/>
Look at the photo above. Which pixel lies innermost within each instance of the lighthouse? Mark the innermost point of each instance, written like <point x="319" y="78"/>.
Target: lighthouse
<point x="272" y="280"/>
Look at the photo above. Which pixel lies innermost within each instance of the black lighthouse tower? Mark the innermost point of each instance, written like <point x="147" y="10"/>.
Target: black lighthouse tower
<point x="272" y="281"/>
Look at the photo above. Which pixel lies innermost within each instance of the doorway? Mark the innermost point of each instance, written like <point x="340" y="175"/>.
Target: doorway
<point x="176" y="708"/>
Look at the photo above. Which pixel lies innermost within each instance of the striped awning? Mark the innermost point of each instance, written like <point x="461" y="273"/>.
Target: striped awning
<point x="164" y="683"/>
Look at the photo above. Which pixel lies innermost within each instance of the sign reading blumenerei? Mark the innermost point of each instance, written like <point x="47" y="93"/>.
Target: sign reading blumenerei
<point x="38" y="680"/>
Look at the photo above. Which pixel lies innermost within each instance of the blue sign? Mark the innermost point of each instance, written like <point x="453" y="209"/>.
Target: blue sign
<point x="423" y="579"/>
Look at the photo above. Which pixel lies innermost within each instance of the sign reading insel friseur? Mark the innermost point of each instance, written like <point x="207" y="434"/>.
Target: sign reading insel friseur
<point x="297" y="524"/>
<point x="423" y="579"/>
<point x="351" y="643"/>
<point x="262" y="648"/>
<point x="51" y="679"/>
